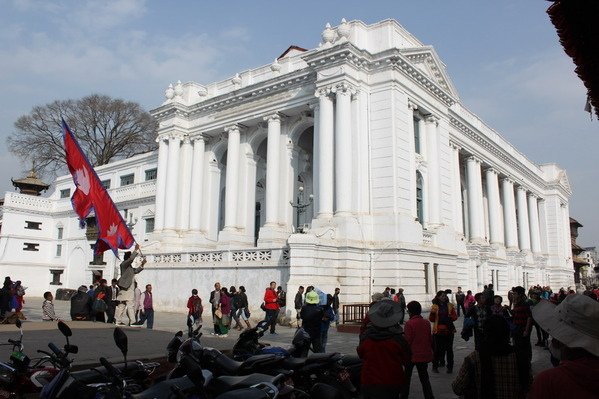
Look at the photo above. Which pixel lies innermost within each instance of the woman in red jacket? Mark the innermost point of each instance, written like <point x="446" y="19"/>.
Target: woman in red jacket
<point x="271" y="306"/>
<point x="384" y="352"/>
<point x="418" y="334"/>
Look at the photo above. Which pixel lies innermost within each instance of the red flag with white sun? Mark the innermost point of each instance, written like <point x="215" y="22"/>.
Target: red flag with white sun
<point x="89" y="195"/>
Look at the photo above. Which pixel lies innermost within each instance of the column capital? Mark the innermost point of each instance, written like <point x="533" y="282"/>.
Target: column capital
<point x="533" y="195"/>
<point x="176" y="136"/>
<point x="455" y="146"/>
<point x="198" y="138"/>
<point x="412" y="106"/>
<point x="276" y="116"/>
<point x="522" y="188"/>
<point x="186" y="139"/>
<point x="314" y="105"/>
<point x="430" y="118"/>
<point x="473" y="158"/>
<point x="162" y="137"/>
<point x="491" y="169"/>
<point x="507" y="179"/>
<point x="344" y="88"/>
<point x="322" y="91"/>
<point x="232" y="128"/>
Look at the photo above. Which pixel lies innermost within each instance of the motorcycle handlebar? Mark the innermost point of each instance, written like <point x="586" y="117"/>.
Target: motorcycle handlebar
<point x="12" y="341"/>
<point x="109" y="367"/>
<point x="55" y="349"/>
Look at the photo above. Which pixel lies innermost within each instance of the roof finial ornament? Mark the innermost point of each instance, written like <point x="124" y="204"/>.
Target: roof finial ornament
<point x="169" y="93"/>
<point x="328" y="36"/>
<point x="275" y="66"/>
<point x="236" y="80"/>
<point x="343" y="31"/>
<point x="178" y="89"/>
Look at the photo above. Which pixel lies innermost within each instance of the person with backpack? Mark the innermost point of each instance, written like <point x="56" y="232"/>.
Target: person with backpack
<point x="195" y="310"/>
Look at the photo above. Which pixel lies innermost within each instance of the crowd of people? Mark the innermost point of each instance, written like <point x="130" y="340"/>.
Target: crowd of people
<point x="500" y="365"/>
<point x="12" y="299"/>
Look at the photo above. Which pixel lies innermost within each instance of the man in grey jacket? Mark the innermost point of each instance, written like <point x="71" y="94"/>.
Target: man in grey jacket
<point x="125" y="282"/>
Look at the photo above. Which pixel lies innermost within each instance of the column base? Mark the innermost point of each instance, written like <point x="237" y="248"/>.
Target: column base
<point x="272" y="234"/>
<point x="233" y="238"/>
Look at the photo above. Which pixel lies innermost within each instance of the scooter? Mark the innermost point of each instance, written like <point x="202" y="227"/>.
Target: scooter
<point x="19" y="376"/>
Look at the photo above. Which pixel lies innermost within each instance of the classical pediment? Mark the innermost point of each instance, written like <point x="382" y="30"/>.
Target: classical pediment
<point x="426" y="60"/>
<point x="564" y="181"/>
<point x="147" y="214"/>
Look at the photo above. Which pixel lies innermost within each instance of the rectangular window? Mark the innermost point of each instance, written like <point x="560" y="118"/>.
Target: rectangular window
<point x="59" y="250"/>
<point x="33" y="225"/>
<point x="149" y="225"/>
<point x="29" y="246"/>
<point x="60" y="232"/>
<point x="66" y="193"/>
<point x="105" y="183"/>
<point x="417" y="135"/>
<point x="426" y="279"/>
<point x="98" y="258"/>
<point x="151" y="174"/>
<point x="127" y="180"/>
<point x="56" y="277"/>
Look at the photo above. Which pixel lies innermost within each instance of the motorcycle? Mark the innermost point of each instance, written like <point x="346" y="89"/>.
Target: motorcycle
<point x="340" y="370"/>
<point x="92" y="382"/>
<point x="20" y="375"/>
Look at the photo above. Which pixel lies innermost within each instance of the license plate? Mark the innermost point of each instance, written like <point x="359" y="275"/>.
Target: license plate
<point x="343" y="375"/>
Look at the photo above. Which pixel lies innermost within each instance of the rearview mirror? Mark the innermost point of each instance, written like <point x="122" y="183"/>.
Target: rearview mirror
<point x="18" y="323"/>
<point x="64" y="329"/>
<point x="121" y="341"/>
<point x="71" y="348"/>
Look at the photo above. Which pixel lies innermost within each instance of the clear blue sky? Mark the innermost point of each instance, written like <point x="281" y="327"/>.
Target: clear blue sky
<point x="504" y="58"/>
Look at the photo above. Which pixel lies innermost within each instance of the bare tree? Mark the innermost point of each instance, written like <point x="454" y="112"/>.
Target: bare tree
<point x="107" y="129"/>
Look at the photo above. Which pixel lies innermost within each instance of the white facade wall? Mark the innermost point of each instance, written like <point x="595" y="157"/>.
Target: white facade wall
<point x="357" y="94"/>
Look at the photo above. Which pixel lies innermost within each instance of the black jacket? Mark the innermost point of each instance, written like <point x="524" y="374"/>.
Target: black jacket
<point x="81" y="306"/>
<point x="312" y="319"/>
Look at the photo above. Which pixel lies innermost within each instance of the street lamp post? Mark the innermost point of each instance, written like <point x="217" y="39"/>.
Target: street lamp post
<point x="300" y="207"/>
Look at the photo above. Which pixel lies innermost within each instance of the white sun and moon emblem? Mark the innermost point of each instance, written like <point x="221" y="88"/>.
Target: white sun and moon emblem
<point x="82" y="178"/>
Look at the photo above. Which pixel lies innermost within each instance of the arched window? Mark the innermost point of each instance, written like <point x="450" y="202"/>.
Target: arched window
<point x="419" y="197"/>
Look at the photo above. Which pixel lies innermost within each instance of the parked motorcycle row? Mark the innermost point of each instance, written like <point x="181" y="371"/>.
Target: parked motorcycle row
<point x="253" y="371"/>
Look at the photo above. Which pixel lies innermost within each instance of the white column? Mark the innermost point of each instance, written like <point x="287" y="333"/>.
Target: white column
<point x="412" y="151"/>
<point x="197" y="181"/>
<point x="161" y="183"/>
<point x="509" y="214"/>
<point x="523" y="227"/>
<point x="343" y="150"/>
<point x="432" y="158"/>
<point x="250" y="205"/>
<point x="456" y="189"/>
<point x="475" y="199"/>
<point x="535" y="233"/>
<point x="495" y="224"/>
<point x="272" y="169"/>
<point x="172" y="172"/>
<point x="363" y="148"/>
<point x="315" y="159"/>
<point x="185" y="165"/>
<point x="210" y="202"/>
<point x="325" y="154"/>
<point x="232" y="181"/>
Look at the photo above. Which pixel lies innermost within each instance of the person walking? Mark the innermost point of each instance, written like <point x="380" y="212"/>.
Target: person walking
<point x="384" y="352"/>
<point x="478" y="314"/>
<point x="298" y="303"/>
<point x="147" y="309"/>
<point x="234" y="295"/>
<point x="401" y="299"/>
<point x="224" y="310"/>
<point x="417" y="332"/>
<point x="460" y="298"/>
<point x="112" y="294"/>
<point x="522" y="325"/>
<point x="81" y="305"/>
<point x="493" y="370"/>
<point x="244" y="310"/>
<point x="442" y="315"/>
<point x="469" y="301"/>
<point x="271" y="305"/>
<point x="19" y="296"/>
<point x="328" y="315"/>
<point x="312" y="315"/>
<point x="194" y="311"/>
<point x="336" y="305"/>
<point x="137" y="306"/>
<point x="100" y="304"/>
<point x="215" y="302"/>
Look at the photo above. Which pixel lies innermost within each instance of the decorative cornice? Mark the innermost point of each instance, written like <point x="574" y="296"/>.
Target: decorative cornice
<point x="412" y="106"/>
<point x="496" y="150"/>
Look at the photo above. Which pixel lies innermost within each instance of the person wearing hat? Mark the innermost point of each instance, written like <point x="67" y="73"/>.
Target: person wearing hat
<point x="81" y="305"/>
<point x="574" y="328"/>
<point x="311" y="315"/>
<point x="384" y="352"/>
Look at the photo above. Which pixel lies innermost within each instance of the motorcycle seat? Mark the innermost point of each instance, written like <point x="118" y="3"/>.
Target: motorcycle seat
<point x="227" y="383"/>
<point x="230" y="366"/>
<point x="165" y="389"/>
<point x="294" y="363"/>
<point x="322" y="357"/>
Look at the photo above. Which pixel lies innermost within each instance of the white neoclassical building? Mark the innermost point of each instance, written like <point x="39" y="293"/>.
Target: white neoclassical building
<point x="409" y="188"/>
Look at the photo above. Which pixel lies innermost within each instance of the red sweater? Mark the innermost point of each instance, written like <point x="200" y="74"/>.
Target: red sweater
<point x="418" y="334"/>
<point x="270" y="299"/>
<point x="382" y="362"/>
